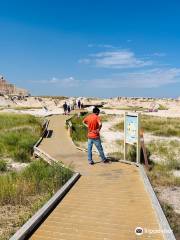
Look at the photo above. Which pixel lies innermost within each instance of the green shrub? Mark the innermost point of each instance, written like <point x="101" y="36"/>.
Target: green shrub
<point x="79" y="131"/>
<point x="38" y="178"/>
<point x="18" y="144"/>
<point x="9" y="120"/>
<point x="21" y="155"/>
<point x="3" y="165"/>
<point x="162" y="107"/>
<point x="18" y="135"/>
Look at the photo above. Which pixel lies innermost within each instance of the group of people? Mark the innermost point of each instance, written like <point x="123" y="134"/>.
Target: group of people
<point x="68" y="106"/>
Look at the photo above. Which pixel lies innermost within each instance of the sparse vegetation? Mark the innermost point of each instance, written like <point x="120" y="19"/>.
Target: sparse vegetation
<point x="14" y="120"/>
<point x="3" y="165"/>
<point x="25" y="108"/>
<point x="18" y="134"/>
<point x="31" y="187"/>
<point x="23" y="192"/>
<point x="54" y="97"/>
<point x="168" y="151"/>
<point x="106" y="117"/>
<point x="156" y="125"/>
<point x="162" y="107"/>
<point x="161" y="175"/>
<point x="79" y="131"/>
<point x="128" y="108"/>
<point x="38" y="178"/>
<point x="173" y="218"/>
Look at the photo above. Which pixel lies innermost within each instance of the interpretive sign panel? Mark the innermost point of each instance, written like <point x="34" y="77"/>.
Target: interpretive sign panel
<point x="131" y="133"/>
<point x="131" y="129"/>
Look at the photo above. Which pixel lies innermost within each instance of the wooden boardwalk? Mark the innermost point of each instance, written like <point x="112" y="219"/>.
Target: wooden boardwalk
<point x="107" y="203"/>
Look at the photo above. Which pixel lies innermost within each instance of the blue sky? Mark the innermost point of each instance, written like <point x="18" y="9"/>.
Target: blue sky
<point x="102" y="48"/>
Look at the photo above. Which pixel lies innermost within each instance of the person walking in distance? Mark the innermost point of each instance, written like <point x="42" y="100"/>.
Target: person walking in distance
<point x="79" y="104"/>
<point x="65" y="107"/>
<point x="68" y="108"/>
<point x="94" y="125"/>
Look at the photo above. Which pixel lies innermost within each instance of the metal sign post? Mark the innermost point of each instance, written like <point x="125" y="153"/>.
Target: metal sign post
<point x="132" y="133"/>
<point x="143" y="148"/>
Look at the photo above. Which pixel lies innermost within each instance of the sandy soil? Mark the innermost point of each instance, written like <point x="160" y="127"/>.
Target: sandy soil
<point x="13" y="216"/>
<point x="10" y="218"/>
<point x="110" y="137"/>
<point x="50" y="105"/>
<point x="171" y="195"/>
<point x="36" y="112"/>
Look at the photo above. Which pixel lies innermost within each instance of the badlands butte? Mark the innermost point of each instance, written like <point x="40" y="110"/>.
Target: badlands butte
<point x="15" y="99"/>
<point x="43" y="105"/>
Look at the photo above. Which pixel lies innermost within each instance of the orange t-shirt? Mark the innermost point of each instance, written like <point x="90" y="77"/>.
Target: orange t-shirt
<point x="93" y="122"/>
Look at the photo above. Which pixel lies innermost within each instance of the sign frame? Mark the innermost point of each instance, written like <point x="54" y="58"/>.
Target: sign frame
<point x="137" y="137"/>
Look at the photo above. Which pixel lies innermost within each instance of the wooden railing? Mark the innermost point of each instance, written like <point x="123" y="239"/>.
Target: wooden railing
<point x="42" y="154"/>
<point x="44" y="133"/>
<point x="39" y="152"/>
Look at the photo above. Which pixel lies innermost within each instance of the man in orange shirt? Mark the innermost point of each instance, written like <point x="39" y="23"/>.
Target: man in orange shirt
<point x="94" y="125"/>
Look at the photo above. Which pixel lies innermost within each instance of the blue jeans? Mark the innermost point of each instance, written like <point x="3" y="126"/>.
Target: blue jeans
<point x="97" y="142"/>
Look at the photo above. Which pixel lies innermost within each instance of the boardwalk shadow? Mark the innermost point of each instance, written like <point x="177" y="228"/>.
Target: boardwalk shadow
<point x="49" y="133"/>
<point x="97" y="162"/>
<point x="112" y="159"/>
<point x="109" y="160"/>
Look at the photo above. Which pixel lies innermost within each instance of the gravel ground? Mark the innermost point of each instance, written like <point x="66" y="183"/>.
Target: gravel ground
<point x="171" y="195"/>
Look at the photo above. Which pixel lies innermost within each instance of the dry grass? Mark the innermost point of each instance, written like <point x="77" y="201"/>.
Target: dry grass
<point x="168" y="152"/>
<point x="23" y="193"/>
<point x="18" y="134"/>
<point x="159" y="126"/>
<point x="173" y="219"/>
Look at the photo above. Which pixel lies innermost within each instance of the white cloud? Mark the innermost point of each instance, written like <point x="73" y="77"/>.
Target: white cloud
<point x="116" y="59"/>
<point x="70" y="82"/>
<point x="84" y="60"/>
<point x="90" y="45"/>
<point x="141" y="79"/>
<point x="120" y="59"/>
<point x="159" y="54"/>
<point x="53" y="80"/>
<point x="151" y="78"/>
<point x="101" y="45"/>
<point x="63" y="82"/>
<point x="105" y="46"/>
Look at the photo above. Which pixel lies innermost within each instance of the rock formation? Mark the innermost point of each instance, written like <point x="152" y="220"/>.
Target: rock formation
<point x="10" y="89"/>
